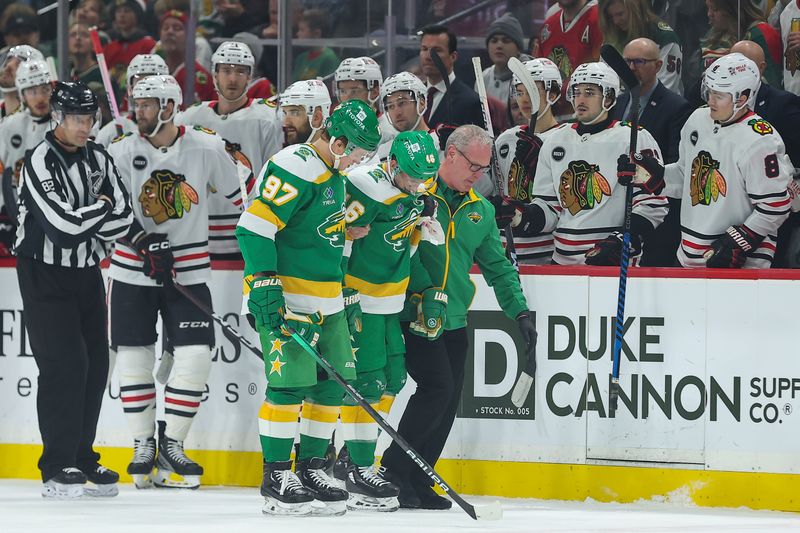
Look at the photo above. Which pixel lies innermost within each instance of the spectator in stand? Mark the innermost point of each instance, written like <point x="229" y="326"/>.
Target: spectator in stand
<point x="569" y="37"/>
<point x="84" y="68"/>
<point x="790" y="16"/>
<point x="458" y="106"/>
<point x="128" y="39"/>
<point x="504" y="40"/>
<point x="173" y="49"/>
<point x="689" y="19"/>
<point x="319" y="61"/>
<point x="202" y="47"/>
<point x="229" y="18"/>
<point x="782" y="110"/>
<point x="662" y="113"/>
<point x="625" y="20"/>
<point x="20" y="26"/>
<point x="90" y="13"/>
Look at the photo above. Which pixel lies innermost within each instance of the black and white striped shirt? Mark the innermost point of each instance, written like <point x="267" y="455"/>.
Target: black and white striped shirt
<point x="61" y="220"/>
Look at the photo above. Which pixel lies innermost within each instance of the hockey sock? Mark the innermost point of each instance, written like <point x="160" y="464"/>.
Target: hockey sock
<point x="385" y="405"/>
<point x="137" y="388"/>
<point x="277" y="422"/>
<point x="185" y="388"/>
<point x="360" y="431"/>
<point x="318" y="419"/>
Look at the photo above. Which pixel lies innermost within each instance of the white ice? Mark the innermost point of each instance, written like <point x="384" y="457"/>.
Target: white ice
<point x="229" y="509"/>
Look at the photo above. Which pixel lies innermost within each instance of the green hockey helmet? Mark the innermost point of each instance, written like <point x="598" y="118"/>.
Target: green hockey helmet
<point x="357" y="122"/>
<point x="416" y="156"/>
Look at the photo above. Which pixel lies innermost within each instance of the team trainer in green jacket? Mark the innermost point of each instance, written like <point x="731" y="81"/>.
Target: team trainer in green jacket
<point x="437" y="362"/>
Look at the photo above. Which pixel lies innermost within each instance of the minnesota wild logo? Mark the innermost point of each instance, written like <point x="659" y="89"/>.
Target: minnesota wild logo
<point x="398" y="236"/>
<point x="559" y="56"/>
<point x="332" y="229"/>
<point x="166" y="195"/>
<point x="706" y="182"/>
<point x="582" y="187"/>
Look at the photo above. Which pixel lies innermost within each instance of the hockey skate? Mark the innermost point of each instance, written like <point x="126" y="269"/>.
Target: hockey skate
<point x="102" y="482"/>
<point x="144" y="460"/>
<point x="283" y="492"/>
<point x="369" y="491"/>
<point x="173" y="469"/>
<point x="330" y="499"/>
<point x="67" y="484"/>
<point x="341" y="466"/>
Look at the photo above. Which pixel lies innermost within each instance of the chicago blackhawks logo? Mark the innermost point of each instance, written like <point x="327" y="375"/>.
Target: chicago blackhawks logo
<point x="332" y="229"/>
<point x="166" y="195"/>
<point x="760" y="126"/>
<point x="235" y="151"/>
<point x="559" y="56"/>
<point x="706" y="182"/>
<point x="582" y="187"/>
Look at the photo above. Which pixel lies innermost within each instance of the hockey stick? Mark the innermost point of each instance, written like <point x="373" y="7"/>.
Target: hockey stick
<point x="494" y="169"/>
<point x="437" y="62"/>
<point x="492" y="511"/>
<point x="101" y="62"/>
<point x="523" y="386"/>
<point x="618" y="64"/>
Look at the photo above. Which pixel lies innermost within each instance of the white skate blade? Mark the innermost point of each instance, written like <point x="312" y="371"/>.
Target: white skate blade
<point x="61" y="491"/>
<point x="492" y="511"/>
<point x="143" y="481"/>
<point x="320" y="508"/>
<point x="167" y="479"/>
<point x="361" y="502"/>
<point x="277" y="507"/>
<point x="109" y="490"/>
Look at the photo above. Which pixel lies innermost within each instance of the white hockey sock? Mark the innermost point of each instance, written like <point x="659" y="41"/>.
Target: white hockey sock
<point x="185" y="388"/>
<point x="137" y="388"/>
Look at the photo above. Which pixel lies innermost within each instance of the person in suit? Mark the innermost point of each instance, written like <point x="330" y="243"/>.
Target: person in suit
<point x="460" y="105"/>
<point x="662" y="113"/>
<point x="781" y="109"/>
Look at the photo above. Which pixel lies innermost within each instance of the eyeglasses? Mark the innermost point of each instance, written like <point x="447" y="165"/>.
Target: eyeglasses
<point x="638" y="61"/>
<point x="473" y="167"/>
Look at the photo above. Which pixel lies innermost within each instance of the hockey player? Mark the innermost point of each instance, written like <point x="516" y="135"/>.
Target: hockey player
<point x="518" y="152"/>
<point x="168" y="169"/>
<point x="15" y="56"/>
<point x="361" y="78"/>
<point x="304" y="107"/>
<point x="292" y="239"/>
<point x="385" y="197"/>
<point x="576" y="192"/>
<point x="250" y="126"/>
<point x="141" y="66"/>
<point x="404" y="103"/>
<point x="732" y="174"/>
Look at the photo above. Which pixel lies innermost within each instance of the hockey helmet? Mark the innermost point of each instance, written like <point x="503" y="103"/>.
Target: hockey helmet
<point x="233" y="53"/>
<point x="165" y="89"/>
<point x="309" y="94"/>
<point x="733" y="74"/>
<point x="416" y="156"/>
<point x="598" y="74"/>
<point x="355" y="121"/>
<point x="32" y="73"/>
<point x="73" y="98"/>
<point x="404" y="81"/>
<point x="358" y="69"/>
<point x="23" y="52"/>
<point x="145" y="65"/>
<point x="543" y="70"/>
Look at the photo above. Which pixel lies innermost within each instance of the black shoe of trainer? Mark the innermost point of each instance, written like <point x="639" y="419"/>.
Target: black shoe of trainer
<point x="430" y="500"/>
<point x="407" y="497"/>
<point x="102" y="482"/>
<point x="66" y="484"/>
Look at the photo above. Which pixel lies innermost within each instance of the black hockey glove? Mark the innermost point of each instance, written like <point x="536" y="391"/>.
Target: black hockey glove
<point x="527" y="151"/>
<point x="532" y="222"/>
<point x="528" y="331"/>
<point x="644" y="172"/>
<point x="730" y="250"/>
<point x="443" y="131"/>
<point x="506" y="211"/>
<point x="608" y="252"/>
<point x="430" y="206"/>
<point x="157" y="256"/>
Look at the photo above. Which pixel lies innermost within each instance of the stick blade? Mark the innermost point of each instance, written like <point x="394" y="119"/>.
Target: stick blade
<point x="614" y="60"/>
<point x="492" y="511"/>
<point x="517" y="68"/>
<point x="521" y="389"/>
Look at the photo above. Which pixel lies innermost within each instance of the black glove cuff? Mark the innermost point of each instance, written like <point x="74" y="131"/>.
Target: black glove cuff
<point x="533" y="221"/>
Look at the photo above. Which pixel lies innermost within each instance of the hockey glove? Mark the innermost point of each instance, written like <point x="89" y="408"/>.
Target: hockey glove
<point x="307" y="326"/>
<point x="507" y="212"/>
<point x="532" y="221"/>
<point x="266" y="302"/>
<point x="430" y="206"/>
<point x="528" y="331"/>
<point x="352" y="308"/>
<point x="644" y="172"/>
<point x="730" y="250"/>
<point x="608" y="252"/>
<point x="431" y="313"/>
<point x="527" y="151"/>
<point x="444" y="131"/>
<point x="156" y="253"/>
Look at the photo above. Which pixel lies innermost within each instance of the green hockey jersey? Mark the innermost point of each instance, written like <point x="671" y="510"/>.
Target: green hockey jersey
<point x="295" y="227"/>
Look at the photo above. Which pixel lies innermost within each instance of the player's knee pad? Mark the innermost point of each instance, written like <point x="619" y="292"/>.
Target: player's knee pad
<point x="370" y="385"/>
<point x="185" y="388"/>
<point x="396" y="374"/>
<point x="191" y="367"/>
<point x="137" y="388"/>
<point x="293" y="396"/>
<point x="326" y="392"/>
<point x="135" y="364"/>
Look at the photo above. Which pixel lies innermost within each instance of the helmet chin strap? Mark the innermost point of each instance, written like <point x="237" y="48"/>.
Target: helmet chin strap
<point x="228" y="100"/>
<point x="160" y="123"/>
<point x="337" y="158"/>
<point x="310" y="118"/>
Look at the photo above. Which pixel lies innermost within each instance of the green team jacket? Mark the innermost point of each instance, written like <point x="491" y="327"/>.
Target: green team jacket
<point x="471" y="237"/>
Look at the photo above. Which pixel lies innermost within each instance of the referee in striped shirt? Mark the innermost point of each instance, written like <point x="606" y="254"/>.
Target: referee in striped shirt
<point x="72" y="203"/>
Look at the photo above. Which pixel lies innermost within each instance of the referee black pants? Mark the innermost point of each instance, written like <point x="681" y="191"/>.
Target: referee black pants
<point x="65" y="312"/>
<point x="438" y="369"/>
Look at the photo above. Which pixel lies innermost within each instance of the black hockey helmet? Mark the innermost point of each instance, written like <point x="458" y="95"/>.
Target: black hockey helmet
<point x="73" y="98"/>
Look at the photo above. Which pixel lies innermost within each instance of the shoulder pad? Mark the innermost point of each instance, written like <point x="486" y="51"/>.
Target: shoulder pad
<point x="205" y="130"/>
<point x="120" y="137"/>
<point x="375" y="183"/>
<point x="627" y="124"/>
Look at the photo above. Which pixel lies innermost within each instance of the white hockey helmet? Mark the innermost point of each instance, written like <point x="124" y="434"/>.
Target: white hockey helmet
<point x="310" y="94"/>
<point x="165" y="89"/>
<point x="598" y="74"/>
<point x="405" y="81"/>
<point x="733" y="74"/>
<point x="24" y="52"/>
<point x="359" y="69"/>
<point x="145" y="65"/>
<point x="543" y="70"/>
<point x="32" y="73"/>
<point x="233" y="53"/>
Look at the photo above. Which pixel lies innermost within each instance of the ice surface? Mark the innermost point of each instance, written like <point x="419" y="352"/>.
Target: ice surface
<point x="229" y="509"/>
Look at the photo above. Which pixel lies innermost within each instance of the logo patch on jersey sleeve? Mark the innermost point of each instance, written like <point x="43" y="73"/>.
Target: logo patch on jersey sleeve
<point x="760" y="126"/>
<point x="205" y="130"/>
<point x="16" y="140"/>
<point x="582" y="187"/>
<point x="503" y="151"/>
<point x="166" y="195"/>
<point x="706" y="183"/>
<point x="629" y="124"/>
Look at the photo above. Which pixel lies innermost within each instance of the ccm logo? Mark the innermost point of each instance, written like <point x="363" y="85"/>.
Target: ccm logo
<point x="270" y="282"/>
<point x="198" y="324"/>
<point x="156" y="246"/>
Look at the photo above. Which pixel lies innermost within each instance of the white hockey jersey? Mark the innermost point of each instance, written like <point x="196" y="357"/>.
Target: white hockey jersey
<point x="791" y="65"/>
<point x="576" y="186"/>
<point x="19" y="132"/>
<point x="536" y="250"/>
<point x="169" y="187"/>
<point x="725" y="176"/>
<point x="109" y="132"/>
<point x="256" y="132"/>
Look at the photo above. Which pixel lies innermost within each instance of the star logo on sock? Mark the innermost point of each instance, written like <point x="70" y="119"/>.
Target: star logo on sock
<point x="277" y="346"/>
<point x="277" y="364"/>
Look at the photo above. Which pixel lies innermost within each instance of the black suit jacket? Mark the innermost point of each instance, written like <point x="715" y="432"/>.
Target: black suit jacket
<point x="663" y="116"/>
<point x="465" y="106"/>
<point x="782" y="110"/>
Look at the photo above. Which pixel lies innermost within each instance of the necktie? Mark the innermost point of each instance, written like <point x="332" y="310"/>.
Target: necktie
<point x="431" y="92"/>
